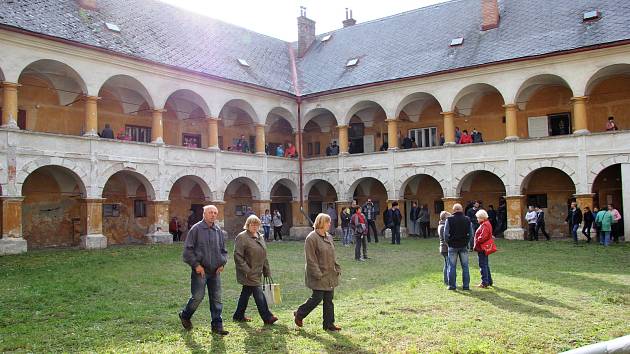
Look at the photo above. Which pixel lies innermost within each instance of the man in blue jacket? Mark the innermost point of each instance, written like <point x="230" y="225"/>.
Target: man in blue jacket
<point x="205" y="252"/>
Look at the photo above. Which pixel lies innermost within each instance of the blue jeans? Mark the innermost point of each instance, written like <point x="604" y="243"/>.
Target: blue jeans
<point x="605" y="240"/>
<point x="396" y="234"/>
<point x="267" y="230"/>
<point x="484" y="269"/>
<point x="346" y="234"/>
<point x="462" y="253"/>
<point x="445" y="270"/>
<point x="259" y="298"/>
<point x="197" y="291"/>
<point x="574" y="232"/>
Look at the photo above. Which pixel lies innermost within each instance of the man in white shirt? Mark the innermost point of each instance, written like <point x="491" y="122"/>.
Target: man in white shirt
<point x="531" y="223"/>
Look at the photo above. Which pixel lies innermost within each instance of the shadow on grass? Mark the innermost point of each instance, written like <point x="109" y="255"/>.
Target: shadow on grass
<point x="217" y="345"/>
<point x="508" y="304"/>
<point x="339" y="343"/>
<point x="258" y="337"/>
<point x="533" y="298"/>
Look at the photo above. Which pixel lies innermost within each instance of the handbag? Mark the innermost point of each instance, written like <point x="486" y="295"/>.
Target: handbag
<point x="489" y="248"/>
<point x="271" y="291"/>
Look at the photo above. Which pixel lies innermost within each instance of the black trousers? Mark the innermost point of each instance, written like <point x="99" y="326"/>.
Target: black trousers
<point x="276" y="233"/>
<point x="586" y="231"/>
<point x="541" y="227"/>
<point x="313" y="301"/>
<point x="371" y="225"/>
<point x="259" y="298"/>
<point x="424" y="229"/>
<point x="533" y="235"/>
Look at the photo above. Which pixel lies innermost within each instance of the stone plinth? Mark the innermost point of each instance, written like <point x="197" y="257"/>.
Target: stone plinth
<point x="93" y="241"/>
<point x="515" y="213"/>
<point x="158" y="216"/>
<point x="11" y="245"/>
<point x="92" y="224"/>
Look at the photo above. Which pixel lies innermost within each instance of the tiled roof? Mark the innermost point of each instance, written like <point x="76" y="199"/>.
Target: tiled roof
<point x="161" y="33"/>
<point x="417" y="42"/>
<point x="405" y="45"/>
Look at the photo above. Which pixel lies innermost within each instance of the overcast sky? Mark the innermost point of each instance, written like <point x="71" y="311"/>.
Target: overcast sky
<point x="277" y="18"/>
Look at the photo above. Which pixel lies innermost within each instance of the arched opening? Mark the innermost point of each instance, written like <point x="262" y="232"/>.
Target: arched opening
<point x="608" y="190"/>
<point x="366" y="123"/>
<point x="187" y="197"/>
<point x="50" y="98"/>
<point x="552" y="190"/>
<point x="239" y="197"/>
<point x="185" y="120"/>
<point x="320" y="194"/>
<point x="544" y="103"/>
<point x="608" y="94"/>
<point x="479" y="109"/>
<point x="51" y="210"/>
<point x="237" y="131"/>
<point x="279" y="135"/>
<point x="426" y="191"/>
<point x="281" y="198"/>
<point x="319" y="132"/>
<point x="125" y="106"/>
<point x="420" y="121"/>
<point x="481" y="186"/>
<point x="126" y="204"/>
<point x="373" y="189"/>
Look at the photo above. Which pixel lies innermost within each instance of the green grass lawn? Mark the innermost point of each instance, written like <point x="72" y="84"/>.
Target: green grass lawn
<point x="549" y="297"/>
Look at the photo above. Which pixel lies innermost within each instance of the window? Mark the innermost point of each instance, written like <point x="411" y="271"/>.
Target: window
<point x="137" y="133"/>
<point x="560" y="124"/>
<point x="112" y="27"/>
<point x="326" y="38"/>
<point x="243" y="62"/>
<point x="111" y="210"/>
<point x="191" y="140"/>
<point x="317" y="148"/>
<point x="140" y="208"/>
<point x="457" y="41"/>
<point x="539" y="200"/>
<point x="425" y="137"/>
<point x="309" y="149"/>
<point x="352" y="62"/>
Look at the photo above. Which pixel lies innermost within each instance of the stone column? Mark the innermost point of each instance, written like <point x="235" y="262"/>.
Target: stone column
<point x="91" y="116"/>
<point x="157" y="130"/>
<point x="260" y="139"/>
<point x="343" y="139"/>
<point x="259" y="207"/>
<point x="213" y="133"/>
<point x="580" y="122"/>
<point x="625" y="199"/>
<point x="92" y="224"/>
<point x="449" y="128"/>
<point x="515" y="213"/>
<point x="511" y="122"/>
<point x="12" y="241"/>
<point x="449" y="202"/>
<point x="392" y="134"/>
<point x="9" y="105"/>
<point x="298" y="217"/>
<point x="158" y="222"/>
<point x="220" y="204"/>
<point x="584" y="200"/>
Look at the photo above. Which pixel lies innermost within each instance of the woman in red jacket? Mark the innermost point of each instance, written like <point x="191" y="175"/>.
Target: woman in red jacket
<point x="484" y="242"/>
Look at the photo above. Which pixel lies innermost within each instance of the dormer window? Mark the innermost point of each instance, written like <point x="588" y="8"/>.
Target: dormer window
<point x="457" y="41"/>
<point x="243" y="62"/>
<point x="112" y="27"/>
<point x="591" y="16"/>
<point x="352" y="62"/>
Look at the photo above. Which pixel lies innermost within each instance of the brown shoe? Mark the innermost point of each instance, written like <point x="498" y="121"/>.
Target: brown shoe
<point x="271" y="320"/>
<point x="185" y="322"/>
<point x="333" y="328"/>
<point x="220" y="331"/>
<point x="482" y="285"/>
<point x="244" y="319"/>
<point x="297" y="320"/>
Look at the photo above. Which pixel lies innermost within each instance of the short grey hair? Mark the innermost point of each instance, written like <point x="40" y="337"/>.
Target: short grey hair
<point x="482" y="214"/>
<point x="457" y="207"/>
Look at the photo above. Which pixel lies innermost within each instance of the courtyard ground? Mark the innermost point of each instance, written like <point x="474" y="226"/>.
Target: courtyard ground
<point x="549" y="297"/>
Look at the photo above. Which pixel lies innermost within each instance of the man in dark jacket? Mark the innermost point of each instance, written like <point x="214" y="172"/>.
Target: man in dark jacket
<point x="395" y="217"/>
<point x="107" y="132"/>
<point x="473" y="219"/>
<point x="424" y="220"/>
<point x="370" y="211"/>
<point x="574" y="219"/>
<point x="387" y="222"/>
<point x="540" y="222"/>
<point x="458" y="231"/>
<point x="205" y="252"/>
<point x="414" y="227"/>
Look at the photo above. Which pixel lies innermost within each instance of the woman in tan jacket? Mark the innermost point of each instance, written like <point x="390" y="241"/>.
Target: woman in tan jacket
<point x="322" y="273"/>
<point x="250" y="256"/>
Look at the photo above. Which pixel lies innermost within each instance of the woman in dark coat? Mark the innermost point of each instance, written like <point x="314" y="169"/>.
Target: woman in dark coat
<point x="250" y="256"/>
<point x="322" y="273"/>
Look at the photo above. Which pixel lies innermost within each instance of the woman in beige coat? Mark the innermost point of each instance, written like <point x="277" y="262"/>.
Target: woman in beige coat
<point x="322" y="273"/>
<point x="250" y="256"/>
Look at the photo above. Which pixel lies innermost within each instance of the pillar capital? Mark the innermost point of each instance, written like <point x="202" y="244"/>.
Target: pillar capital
<point x="160" y="110"/>
<point x="217" y="202"/>
<point x="513" y="106"/>
<point x="579" y="98"/>
<point x="514" y="197"/>
<point x="10" y="85"/>
<point x="93" y="200"/>
<point x="90" y="98"/>
<point x="448" y="114"/>
<point x="159" y="202"/>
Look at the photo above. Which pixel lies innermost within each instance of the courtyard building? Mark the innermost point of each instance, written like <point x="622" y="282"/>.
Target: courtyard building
<point x="198" y="107"/>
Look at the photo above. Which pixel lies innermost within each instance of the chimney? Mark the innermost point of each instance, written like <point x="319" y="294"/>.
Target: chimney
<point x="306" y="32"/>
<point x="88" y="4"/>
<point x="489" y="14"/>
<point x="349" y="21"/>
